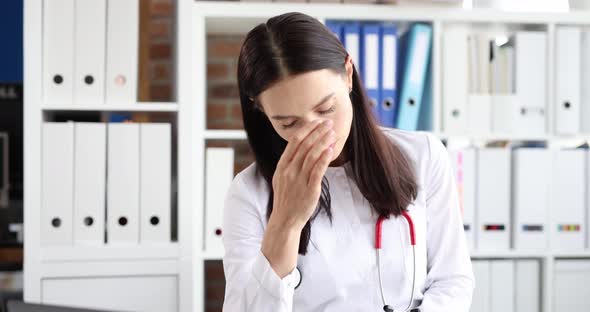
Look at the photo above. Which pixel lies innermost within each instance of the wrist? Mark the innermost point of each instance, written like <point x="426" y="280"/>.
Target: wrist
<point x="277" y="223"/>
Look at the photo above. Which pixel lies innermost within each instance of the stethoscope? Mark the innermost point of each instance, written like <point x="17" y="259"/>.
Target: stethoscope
<point x="378" y="238"/>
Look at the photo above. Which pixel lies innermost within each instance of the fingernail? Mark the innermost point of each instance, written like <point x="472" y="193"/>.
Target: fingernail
<point x="328" y="122"/>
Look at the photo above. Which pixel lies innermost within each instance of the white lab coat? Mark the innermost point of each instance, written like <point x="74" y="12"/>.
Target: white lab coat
<point x="339" y="271"/>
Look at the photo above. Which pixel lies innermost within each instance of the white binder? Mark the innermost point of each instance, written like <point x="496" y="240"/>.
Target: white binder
<point x="531" y="87"/>
<point x="585" y="82"/>
<point x="58" y="52"/>
<point x="155" y="185"/>
<point x="455" y="75"/>
<point x="90" y="183"/>
<point x="90" y="52"/>
<point x="505" y="113"/>
<point x="57" y="158"/>
<point x="480" y="112"/>
<point x="123" y="183"/>
<point x="122" y="51"/>
<point x="570" y="288"/>
<point x="218" y="176"/>
<point x="527" y="281"/>
<point x="531" y="182"/>
<point x="502" y="285"/>
<point x="568" y="74"/>
<point x="493" y="199"/>
<point x="481" y="294"/>
<point x="463" y="162"/>
<point x="568" y="197"/>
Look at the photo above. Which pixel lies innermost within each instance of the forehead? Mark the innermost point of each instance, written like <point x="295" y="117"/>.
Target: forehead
<point x="299" y="91"/>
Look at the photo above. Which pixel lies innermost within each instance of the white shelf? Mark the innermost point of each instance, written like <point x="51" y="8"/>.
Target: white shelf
<point x="212" y="256"/>
<point x="514" y="137"/>
<point x="571" y="254"/>
<point x="225" y="134"/>
<point x="130" y="252"/>
<point x="137" y="107"/>
<point x="253" y="10"/>
<point x="147" y="267"/>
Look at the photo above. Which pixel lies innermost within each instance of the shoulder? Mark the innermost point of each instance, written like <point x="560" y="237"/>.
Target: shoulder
<point x="415" y="143"/>
<point x="422" y="148"/>
<point x="249" y="183"/>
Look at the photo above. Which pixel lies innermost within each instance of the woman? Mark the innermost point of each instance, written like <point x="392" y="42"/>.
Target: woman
<point x="300" y="222"/>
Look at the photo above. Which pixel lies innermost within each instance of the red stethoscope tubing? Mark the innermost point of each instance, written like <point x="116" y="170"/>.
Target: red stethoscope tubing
<point x="378" y="236"/>
<point x="379" y="226"/>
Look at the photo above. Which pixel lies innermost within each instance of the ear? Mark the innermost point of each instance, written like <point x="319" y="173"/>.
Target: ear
<point x="349" y="71"/>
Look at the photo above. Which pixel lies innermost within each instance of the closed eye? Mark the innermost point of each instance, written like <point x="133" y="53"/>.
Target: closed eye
<point x="328" y="111"/>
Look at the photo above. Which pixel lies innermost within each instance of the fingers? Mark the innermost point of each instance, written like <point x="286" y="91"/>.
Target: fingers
<point x="320" y="167"/>
<point x="309" y="143"/>
<point x="316" y="151"/>
<point x="293" y="144"/>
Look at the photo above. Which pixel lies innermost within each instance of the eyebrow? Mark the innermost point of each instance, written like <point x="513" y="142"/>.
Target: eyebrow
<point x="322" y="101"/>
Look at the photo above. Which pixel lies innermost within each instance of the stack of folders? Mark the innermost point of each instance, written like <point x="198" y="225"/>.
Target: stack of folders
<point x="494" y="83"/>
<point x="524" y="198"/>
<point x="572" y="109"/>
<point x="395" y="70"/>
<point x="219" y="174"/>
<point x="90" y="51"/>
<point x="4" y="181"/>
<point x="118" y="170"/>
<point x="507" y="285"/>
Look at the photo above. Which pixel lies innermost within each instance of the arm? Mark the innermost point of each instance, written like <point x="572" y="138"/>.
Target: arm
<point x="450" y="281"/>
<point x="251" y="282"/>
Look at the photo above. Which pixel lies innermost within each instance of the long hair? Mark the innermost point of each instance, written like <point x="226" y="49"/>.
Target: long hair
<point x="295" y="43"/>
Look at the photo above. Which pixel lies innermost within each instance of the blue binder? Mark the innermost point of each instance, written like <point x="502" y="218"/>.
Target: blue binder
<point x="416" y="44"/>
<point x="425" y="115"/>
<point x="336" y="27"/>
<point x="352" y="43"/>
<point x="371" y="64"/>
<point x="388" y="64"/>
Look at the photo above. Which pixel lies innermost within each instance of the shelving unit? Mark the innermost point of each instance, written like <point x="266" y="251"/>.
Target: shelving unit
<point x="138" y="107"/>
<point x="215" y="17"/>
<point x="185" y="258"/>
<point x="169" y="267"/>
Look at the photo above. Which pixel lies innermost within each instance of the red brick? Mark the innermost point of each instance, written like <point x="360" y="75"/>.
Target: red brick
<point x="216" y="112"/>
<point x="161" y="93"/>
<point x="224" y="90"/>
<point x="236" y="124"/>
<point x="161" y="8"/>
<point x="216" y="125"/>
<point x="217" y="71"/>
<point x="160" y="51"/>
<point x="217" y="143"/>
<point x="160" y="71"/>
<point x="160" y="28"/>
<point x="236" y="112"/>
<point x="224" y="48"/>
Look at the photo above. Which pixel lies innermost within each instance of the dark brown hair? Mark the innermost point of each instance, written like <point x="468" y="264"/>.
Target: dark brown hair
<point x="295" y="43"/>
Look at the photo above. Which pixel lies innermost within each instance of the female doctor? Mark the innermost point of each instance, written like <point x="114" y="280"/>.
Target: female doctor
<point x="336" y="213"/>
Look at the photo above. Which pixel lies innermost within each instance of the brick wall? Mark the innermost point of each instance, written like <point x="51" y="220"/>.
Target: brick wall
<point x="223" y="106"/>
<point x="161" y="46"/>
